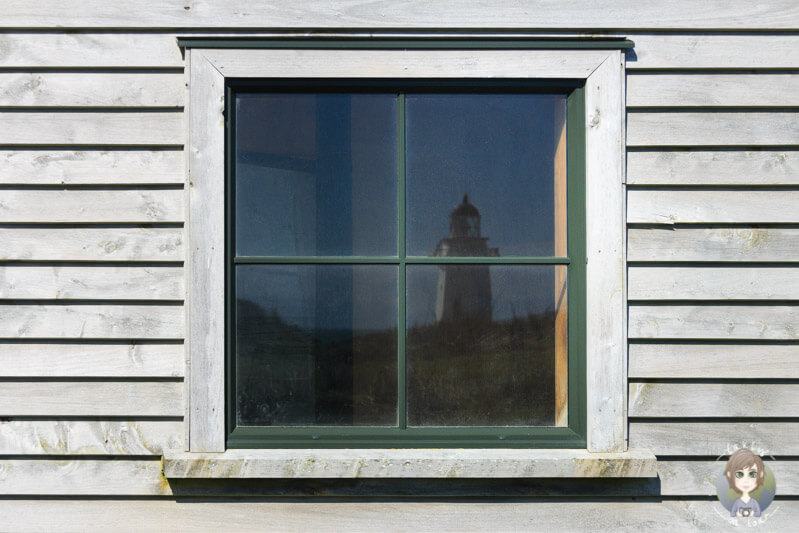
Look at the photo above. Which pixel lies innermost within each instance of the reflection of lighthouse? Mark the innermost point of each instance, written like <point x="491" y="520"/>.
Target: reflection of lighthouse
<point x="464" y="290"/>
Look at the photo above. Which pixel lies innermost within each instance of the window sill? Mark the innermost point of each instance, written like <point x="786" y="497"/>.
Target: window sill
<point x="409" y="463"/>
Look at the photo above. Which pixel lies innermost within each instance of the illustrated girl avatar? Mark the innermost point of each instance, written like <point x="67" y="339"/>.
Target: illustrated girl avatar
<point x="745" y="473"/>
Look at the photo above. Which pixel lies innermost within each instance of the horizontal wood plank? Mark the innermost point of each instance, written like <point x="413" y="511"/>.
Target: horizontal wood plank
<point x="75" y="49"/>
<point x="91" y="321"/>
<point x="368" y="64"/>
<point x="653" y="206"/>
<point x="698" y="478"/>
<point x="671" y="400"/>
<point x="91" y="167"/>
<point x="69" y="437"/>
<point x="735" y="244"/>
<point x="709" y="90"/>
<point x="37" y="515"/>
<point x="91" y="89"/>
<point x="710" y="128"/>
<point x="729" y="167"/>
<point x="91" y="398"/>
<point x="772" y="322"/>
<point x="715" y="438"/>
<point x="91" y="283"/>
<point x="736" y="361"/>
<point x="151" y="128"/>
<point x="713" y="51"/>
<point x="578" y="14"/>
<point x="91" y="206"/>
<point x="712" y="283"/>
<point x="120" y="360"/>
<point x="97" y="477"/>
<point x="91" y="244"/>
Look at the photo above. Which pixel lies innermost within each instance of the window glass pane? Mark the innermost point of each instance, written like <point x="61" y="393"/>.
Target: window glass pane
<point x="316" y="174"/>
<point x="506" y="152"/>
<point x="316" y="345"/>
<point x="484" y="344"/>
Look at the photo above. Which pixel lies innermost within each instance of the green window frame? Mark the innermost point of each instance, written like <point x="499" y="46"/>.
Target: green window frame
<point x="573" y="435"/>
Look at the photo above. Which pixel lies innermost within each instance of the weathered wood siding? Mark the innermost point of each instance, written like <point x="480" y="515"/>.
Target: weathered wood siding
<point x="92" y="249"/>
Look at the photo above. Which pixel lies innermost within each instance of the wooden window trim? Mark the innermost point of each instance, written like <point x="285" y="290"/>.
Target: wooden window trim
<point x="603" y="74"/>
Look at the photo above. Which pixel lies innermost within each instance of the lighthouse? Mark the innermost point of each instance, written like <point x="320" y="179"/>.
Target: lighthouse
<point x="464" y="291"/>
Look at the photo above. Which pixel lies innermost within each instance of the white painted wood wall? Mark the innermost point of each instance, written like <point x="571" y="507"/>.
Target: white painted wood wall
<point x="92" y="251"/>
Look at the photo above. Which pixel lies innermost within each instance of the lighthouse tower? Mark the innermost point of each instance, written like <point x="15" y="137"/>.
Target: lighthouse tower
<point x="464" y="290"/>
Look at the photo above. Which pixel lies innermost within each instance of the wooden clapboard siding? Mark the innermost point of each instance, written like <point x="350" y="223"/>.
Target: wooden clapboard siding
<point x="713" y="51"/>
<point x="580" y="14"/>
<point x="91" y="321"/>
<point x="709" y="90"/>
<point x="712" y="128"/>
<point x="698" y="478"/>
<point x="91" y="244"/>
<point x="91" y="167"/>
<point x="91" y="398"/>
<point x="57" y="282"/>
<point x="79" y="359"/>
<point x="741" y="206"/>
<point x="88" y="437"/>
<point x="714" y="400"/>
<point x="766" y="322"/>
<point x="82" y="50"/>
<point x="607" y="515"/>
<point x="715" y="439"/>
<point x="91" y="206"/>
<point x="712" y="283"/>
<point x="713" y="167"/>
<point x="714" y="244"/>
<point x="735" y="361"/>
<point x="76" y="476"/>
<point x="104" y="128"/>
<point x="91" y="89"/>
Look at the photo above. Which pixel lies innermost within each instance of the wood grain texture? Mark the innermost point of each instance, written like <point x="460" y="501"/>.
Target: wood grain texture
<point x="91" y="283"/>
<point x="408" y="463"/>
<point x="605" y="305"/>
<point x="91" y="167"/>
<point x="712" y="128"/>
<point x="97" y="477"/>
<point x="734" y="244"/>
<point x="709" y="90"/>
<point x="713" y="283"/>
<point x="766" y="322"/>
<point x="715" y="438"/>
<point x="735" y="361"/>
<point x="91" y="398"/>
<point x="713" y="51"/>
<point x="67" y="437"/>
<point x="671" y="400"/>
<point x="90" y="89"/>
<point x="406" y="63"/>
<point x="97" y="49"/>
<point x="91" y="321"/>
<point x="622" y="514"/>
<point x="206" y="263"/>
<point x="151" y="128"/>
<point x="91" y="206"/>
<point x="732" y="167"/>
<point x="91" y="244"/>
<point x="579" y="14"/>
<point x="698" y="478"/>
<point x="666" y="206"/>
<point x="118" y="360"/>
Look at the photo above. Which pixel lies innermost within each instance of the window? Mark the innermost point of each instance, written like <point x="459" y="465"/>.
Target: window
<point x="305" y="278"/>
<point x="366" y="307"/>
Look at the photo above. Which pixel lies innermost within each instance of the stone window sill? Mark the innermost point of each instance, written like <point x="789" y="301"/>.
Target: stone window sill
<point x="409" y="463"/>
